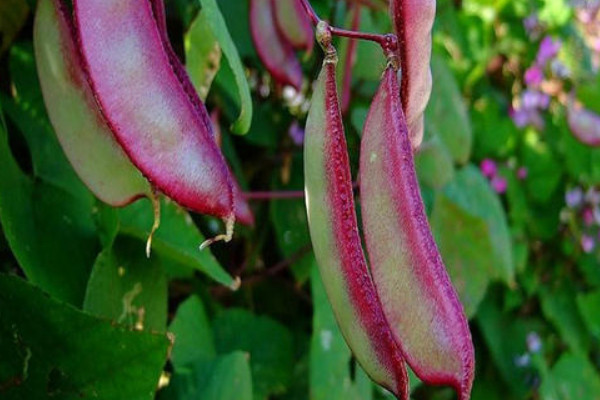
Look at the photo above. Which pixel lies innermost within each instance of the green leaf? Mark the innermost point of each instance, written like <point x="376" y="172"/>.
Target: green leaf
<point x="176" y="239"/>
<point x="223" y="378"/>
<point x="50" y="231"/>
<point x="447" y="112"/>
<point x="371" y="70"/>
<point x="465" y="243"/>
<point x="13" y="15"/>
<point x="544" y="170"/>
<point x="471" y="191"/>
<point x="268" y="342"/>
<point x="560" y="308"/>
<point x="573" y="377"/>
<point x="291" y="225"/>
<point x="505" y="336"/>
<point x="589" y="307"/>
<point x="52" y="350"/>
<point x="193" y="335"/>
<point x="28" y="112"/>
<point x="434" y="164"/>
<point x="330" y="357"/>
<point x="217" y="24"/>
<point x="127" y="287"/>
<point x="202" y="55"/>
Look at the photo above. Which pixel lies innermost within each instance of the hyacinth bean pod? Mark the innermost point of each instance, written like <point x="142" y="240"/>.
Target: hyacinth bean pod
<point x="82" y="132"/>
<point x="272" y="48"/>
<point x="584" y="124"/>
<point x="413" y="21"/>
<point x="243" y="213"/>
<point x="417" y="297"/>
<point x="336" y="241"/>
<point x="146" y="106"/>
<point x="294" y="24"/>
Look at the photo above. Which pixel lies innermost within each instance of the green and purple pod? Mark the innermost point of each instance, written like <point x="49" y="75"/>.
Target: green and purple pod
<point x="336" y="241"/>
<point x="243" y="213"/>
<point x="276" y="53"/>
<point x="584" y="124"/>
<point x="147" y="107"/>
<point x="85" y="137"/>
<point x="413" y="21"/>
<point x="416" y="294"/>
<point x="294" y="24"/>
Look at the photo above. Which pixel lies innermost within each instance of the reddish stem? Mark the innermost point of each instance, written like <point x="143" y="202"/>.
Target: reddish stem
<point x="388" y="42"/>
<point x="276" y="195"/>
<point x="280" y="195"/>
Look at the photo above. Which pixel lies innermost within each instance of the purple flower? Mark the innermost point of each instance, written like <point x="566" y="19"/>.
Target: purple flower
<point x="534" y="343"/>
<point x="296" y="133"/>
<point x="533" y="99"/>
<point x="488" y="168"/>
<point x="549" y="49"/>
<point x="587" y="243"/>
<point x="499" y="184"/>
<point x="534" y="75"/>
<point x="592" y="196"/>
<point x="532" y="26"/>
<point x="522" y="361"/>
<point x="522" y="173"/>
<point x="523" y="117"/>
<point x="574" y="197"/>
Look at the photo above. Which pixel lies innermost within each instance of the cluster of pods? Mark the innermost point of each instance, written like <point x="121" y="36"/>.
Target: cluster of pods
<point x="278" y="28"/>
<point x="131" y="124"/>
<point x="400" y="307"/>
<point x="125" y="111"/>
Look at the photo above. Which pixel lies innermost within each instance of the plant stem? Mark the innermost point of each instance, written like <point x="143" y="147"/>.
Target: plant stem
<point x="387" y="41"/>
<point x="276" y="195"/>
<point x="280" y="195"/>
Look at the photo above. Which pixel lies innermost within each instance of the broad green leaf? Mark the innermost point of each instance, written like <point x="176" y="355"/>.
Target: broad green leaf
<point x="50" y="231"/>
<point x="28" y="112"/>
<point x="13" y="15"/>
<point x="193" y="335"/>
<point x="544" y="169"/>
<point x="589" y="307"/>
<point x="473" y="194"/>
<point x="560" y="308"/>
<point x="573" y="377"/>
<point x="434" y="164"/>
<point x="447" y="112"/>
<point x="268" y="342"/>
<point x="499" y="141"/>
<point x="217" y="24"/>
<point x="505" y="336"/>
<point x="226" y="377"/>
<point x="52" y="350"/>
<point x="177" y="238"/>
<point x="202" y="55"/>
<point x="330" y="357"/>
<point x="291" y="226"/>
<point x="465" y="243"/>
<point x="127" y="287"/>
<point x="374" y="67"/>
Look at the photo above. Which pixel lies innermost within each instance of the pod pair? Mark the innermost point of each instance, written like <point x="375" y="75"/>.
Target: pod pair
<point x="402" y="308"/>
<point x="123" y="108"/>
<point x="278" y="28"/>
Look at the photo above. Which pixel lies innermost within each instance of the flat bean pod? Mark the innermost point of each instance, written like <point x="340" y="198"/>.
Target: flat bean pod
<point x="417" y="297"/>
<point x="336" y="241"/>
<point x="86" y="139"/>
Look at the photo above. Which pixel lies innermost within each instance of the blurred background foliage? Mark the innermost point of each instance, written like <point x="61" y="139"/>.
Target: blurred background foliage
<point x="513" y="199"/>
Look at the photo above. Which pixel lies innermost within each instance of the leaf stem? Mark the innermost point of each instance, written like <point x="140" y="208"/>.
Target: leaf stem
<point x="275" y="195"/>
<point x="388" y="42"/>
